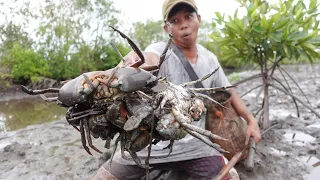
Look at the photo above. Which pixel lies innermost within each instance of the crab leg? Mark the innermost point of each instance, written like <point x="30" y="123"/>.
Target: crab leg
<point x="115" y="147"/>
<point x="199" y="80"/>
<point x="122" y="143"/>
<point x="117" y="51"/>
<point x="76" y="128"/>
<point x="149" y="148"/>
<point x="107" y="144"/>
<point x="180" y="118"/>
<point x="209" y="98"/>
<point x="136" y="158"/>
<point x="86" y="128"/>
<point x="134" y="47"/>
<point x="48" y="99"/>
<point x="210" y="89"/>
<point x="89" y="82"/>
<point x="169" y="146"/>
<point x="163" y="55"/>
<point x="85" y="115"/>
<point x="206" y="141"/>
<point x="201" y="131"/>
<point x="36" y="92"/>
<point x="83" y="138"/>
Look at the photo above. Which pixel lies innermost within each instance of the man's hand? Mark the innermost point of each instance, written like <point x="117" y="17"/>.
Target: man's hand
<point x="253" y="128"/>
<point x="129" y="59"/>
<point x="254" y="131"/>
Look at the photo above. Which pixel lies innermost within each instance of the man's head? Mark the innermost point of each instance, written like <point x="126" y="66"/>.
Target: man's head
<point x="168" y="5"/>
<point x="181" y="20"/>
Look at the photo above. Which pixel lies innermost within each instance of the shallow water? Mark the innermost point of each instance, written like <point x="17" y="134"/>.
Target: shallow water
<point x="313" y="162"/>
<point x="298" y="138"/>
<point x="17" y="114"/>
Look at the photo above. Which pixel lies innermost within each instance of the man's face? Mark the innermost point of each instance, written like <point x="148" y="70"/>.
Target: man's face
<point x="184" y="27"/>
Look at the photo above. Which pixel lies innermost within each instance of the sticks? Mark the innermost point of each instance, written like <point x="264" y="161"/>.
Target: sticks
<point x="227" y="168"/>
<point x="250" y="161"/>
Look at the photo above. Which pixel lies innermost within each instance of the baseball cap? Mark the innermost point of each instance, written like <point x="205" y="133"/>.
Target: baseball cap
<point x="169" y="4"/>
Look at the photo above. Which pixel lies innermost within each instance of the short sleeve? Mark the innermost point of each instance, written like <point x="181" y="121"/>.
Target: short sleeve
<point x="221" y="78"/>
<point x="156" y="48"/>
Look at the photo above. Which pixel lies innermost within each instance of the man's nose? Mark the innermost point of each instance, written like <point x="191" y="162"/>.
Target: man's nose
<point x="183" y="25"/>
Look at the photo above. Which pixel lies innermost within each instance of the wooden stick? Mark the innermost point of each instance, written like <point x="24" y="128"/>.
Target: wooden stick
<point x="227" y="168"/>
<point x="250" y="161"/>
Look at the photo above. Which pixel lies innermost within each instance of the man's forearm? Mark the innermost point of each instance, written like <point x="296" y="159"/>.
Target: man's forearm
<point x="131" y="58"/>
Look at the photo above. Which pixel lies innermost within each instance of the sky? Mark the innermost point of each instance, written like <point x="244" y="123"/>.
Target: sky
<point x="141" y="10"/>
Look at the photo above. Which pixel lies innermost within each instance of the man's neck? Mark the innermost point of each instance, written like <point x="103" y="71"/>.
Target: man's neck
<point x="190" y="53"/>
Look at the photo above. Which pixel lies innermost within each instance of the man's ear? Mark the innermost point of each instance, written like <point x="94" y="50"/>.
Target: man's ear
<point x="165" y="27"/>
<point x="199" y="18"/>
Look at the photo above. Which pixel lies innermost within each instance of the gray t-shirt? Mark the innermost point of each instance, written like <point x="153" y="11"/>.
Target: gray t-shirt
<point x="188" y="147"/>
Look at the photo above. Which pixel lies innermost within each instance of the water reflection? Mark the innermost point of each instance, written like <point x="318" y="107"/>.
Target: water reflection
<point x="16" y="114"/>
<point x="298" y="138"/>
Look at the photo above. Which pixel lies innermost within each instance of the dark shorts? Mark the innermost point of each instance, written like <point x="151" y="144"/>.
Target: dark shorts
<point x="202" y="168"/>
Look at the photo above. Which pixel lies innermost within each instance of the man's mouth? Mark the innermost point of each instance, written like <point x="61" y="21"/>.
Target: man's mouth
<point x="186" y="35"/>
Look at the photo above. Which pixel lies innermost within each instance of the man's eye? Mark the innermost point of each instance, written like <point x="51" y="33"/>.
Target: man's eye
<point x="173" y="21"/>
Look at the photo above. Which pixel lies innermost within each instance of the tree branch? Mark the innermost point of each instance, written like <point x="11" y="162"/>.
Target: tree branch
<point x="251" y="90"/>
<point x="275" y="65"/>
<point x="281" y="69"/>
<point x="247" y="79"/>
<point x="294" y="101"/>
<point x="304" y="104"/>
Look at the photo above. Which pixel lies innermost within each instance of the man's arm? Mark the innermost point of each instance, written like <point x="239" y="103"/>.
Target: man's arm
<point x="253" y="128"/>
<point x="150" y="59"/>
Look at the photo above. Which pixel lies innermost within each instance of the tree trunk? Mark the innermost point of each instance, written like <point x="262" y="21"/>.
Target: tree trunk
<point x="266" y="122"/>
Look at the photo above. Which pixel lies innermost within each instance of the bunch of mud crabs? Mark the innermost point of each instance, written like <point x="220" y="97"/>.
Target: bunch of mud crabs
<point x="134" y="103"/>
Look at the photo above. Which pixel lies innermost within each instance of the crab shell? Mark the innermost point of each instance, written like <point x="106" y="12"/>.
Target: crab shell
<point x="69" y="94"/>
<point x="132" y="79"/>
<point x="139" y="140"/>
<point x="169" y="128"/>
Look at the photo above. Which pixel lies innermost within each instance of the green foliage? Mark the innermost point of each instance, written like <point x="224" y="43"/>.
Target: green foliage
<point x="26" y="64"/>
<point x="147" y="33"/>
<point x="112" y="58"/>
<point x="72" y="37"/>
<point x="234" y="77"/>
<point x="268" y="32"/>
<point x="11" y="34"/>
<point x="5" y="81"/>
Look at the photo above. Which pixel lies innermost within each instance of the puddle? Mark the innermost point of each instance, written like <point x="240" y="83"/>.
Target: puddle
<point x="317" y="125"/>
<point x="17" y="114"/>
<point x="314" y="174"/>
<point x="298" y="138"/>
<point x="314" y="164"/>
<point x="276" y="152"/>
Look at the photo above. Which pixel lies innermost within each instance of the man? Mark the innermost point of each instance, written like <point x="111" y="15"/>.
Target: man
<point x="189" y="154"/>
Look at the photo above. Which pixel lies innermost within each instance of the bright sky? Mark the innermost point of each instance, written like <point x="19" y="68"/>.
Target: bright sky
<point x="140" y="10"/>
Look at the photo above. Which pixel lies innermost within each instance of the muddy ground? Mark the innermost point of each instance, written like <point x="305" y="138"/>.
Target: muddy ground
<point x="290" y="150"/>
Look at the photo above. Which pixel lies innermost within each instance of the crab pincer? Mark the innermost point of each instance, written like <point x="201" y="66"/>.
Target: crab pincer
<point x="195" y="131"/>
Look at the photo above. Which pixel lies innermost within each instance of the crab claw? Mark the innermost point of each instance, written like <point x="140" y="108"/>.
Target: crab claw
<point x="89" y="86"/>
<point x="197" y="109"/>
<point x="115" y="84"/>
<point x="132" y="79"/>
